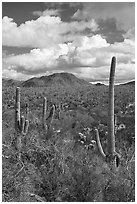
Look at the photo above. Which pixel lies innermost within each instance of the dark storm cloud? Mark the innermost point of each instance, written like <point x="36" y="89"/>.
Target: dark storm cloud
<point x="124" y="12"/>
<point x="21" y="11"/>
<point x="64" y="5"/>
<point x="15" y="50"/>
<point x="108" y="29"/>
<point x="67" y="9"/>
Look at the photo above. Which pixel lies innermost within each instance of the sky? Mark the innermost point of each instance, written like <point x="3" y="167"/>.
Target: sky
<point x="41" y="38"/>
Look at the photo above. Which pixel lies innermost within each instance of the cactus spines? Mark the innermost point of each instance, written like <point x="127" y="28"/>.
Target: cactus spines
<point x="112" y="155"/>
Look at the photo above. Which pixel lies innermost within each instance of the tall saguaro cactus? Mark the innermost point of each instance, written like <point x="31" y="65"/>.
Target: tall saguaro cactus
<point x="111" y="155"/>
<point x="21" y="125"/>
<point x="111" y="135"/>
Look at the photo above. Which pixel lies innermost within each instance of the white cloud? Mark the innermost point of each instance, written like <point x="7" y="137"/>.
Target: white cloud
<point x="38" y="33"/>
<point x="13" y="74"/>
<point x="95" y="41"/>
<point x="38" y="59"/>
<point x="87" y="57"/>
<point x="58" y="46"/>
<point x="43" y="32"/>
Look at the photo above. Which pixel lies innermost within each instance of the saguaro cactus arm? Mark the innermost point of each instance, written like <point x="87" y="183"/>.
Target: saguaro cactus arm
<point x="59" y="111"/>
<point x="47" y="121"/>
<point x="44" y="113"/>
<point x="51" y="115"/>
<point x="26" y="126"/>
<point x="99" y="146"/>
<point x="17" y="109"/>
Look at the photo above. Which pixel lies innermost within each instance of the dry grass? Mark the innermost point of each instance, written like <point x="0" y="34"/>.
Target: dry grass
<point x="58" y="167"/>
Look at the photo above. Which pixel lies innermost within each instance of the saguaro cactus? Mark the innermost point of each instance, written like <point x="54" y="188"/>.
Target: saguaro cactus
<point x="21" y="125"/>
<point x="47" y="121"/>
<point x="17" y="109"/>
<point x="111" y="135"/>
<point x="44" y="113"/>
<point x="111" y="155"/>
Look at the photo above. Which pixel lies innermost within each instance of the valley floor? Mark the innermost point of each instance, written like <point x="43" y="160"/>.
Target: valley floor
<point x="63" y="165"/>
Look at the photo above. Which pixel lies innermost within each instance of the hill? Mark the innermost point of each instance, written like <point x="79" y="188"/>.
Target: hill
<point x="63" y="79"/>
<point x="10" y="82"/>
<point x="130" y="83"/>
<point x="99" y="84"/>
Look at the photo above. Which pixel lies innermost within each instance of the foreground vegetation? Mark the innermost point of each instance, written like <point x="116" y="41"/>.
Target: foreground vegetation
<point x="64" y="164"/>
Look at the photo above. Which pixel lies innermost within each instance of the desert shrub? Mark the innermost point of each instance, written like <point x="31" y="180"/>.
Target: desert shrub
<point x="56" y="167"/>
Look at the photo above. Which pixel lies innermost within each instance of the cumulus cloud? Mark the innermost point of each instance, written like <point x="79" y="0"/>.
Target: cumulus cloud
<point x="86" y="57"/>
<point x="34" y="33"/>
<point x="43" y="32"/>
<point x="58" y="46"/>
<point x="38" y="58"/>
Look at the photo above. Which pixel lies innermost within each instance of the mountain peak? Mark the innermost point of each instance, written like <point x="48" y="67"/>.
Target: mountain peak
<point x="63" y="79"/>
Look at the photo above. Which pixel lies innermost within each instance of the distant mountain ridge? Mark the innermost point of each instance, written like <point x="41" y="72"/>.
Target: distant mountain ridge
<point x="63" y="79"/>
